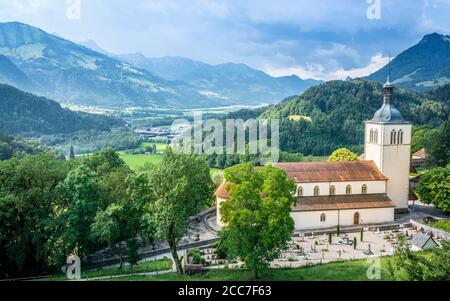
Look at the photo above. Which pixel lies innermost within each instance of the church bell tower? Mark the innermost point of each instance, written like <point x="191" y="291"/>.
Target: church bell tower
<point x="388" y="144"/>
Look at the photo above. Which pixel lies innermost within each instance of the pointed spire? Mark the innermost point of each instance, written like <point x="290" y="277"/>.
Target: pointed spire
<point x="388" y="83"/>
<point x="389" y="72"/>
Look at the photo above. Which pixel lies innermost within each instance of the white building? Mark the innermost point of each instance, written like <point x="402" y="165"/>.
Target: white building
<point x="359" y="192"/>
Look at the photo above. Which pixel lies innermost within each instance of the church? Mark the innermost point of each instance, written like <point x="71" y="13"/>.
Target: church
<point x="369" y="191"/>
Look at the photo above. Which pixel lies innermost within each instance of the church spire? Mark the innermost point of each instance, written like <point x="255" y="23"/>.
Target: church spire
<point x="388" y="86"/>
<point x="388" y="113"/>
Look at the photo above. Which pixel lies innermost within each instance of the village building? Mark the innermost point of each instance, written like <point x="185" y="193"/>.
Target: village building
<point x="369" y="191"/>
<point x="422" y="241"/>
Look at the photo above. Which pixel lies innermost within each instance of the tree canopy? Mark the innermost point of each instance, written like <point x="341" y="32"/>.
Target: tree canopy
<point x="257" y="215"/>
<point x="343" y="154"/>
<point x="434" y="188"/>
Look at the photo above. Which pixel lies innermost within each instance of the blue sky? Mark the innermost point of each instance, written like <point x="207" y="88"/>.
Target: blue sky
<point x="326" y="39"/>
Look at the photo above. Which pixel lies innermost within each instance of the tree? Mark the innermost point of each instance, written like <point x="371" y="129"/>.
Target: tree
<point x="406" y="265"/>
<point x="257" y="215"/>
<point x="180" y="187"/>
<point x="343" y="154"/>
<point x="29" y="205"/>
<point x="439" y="150"/>
<point x="71" y="153"/>
<point x="434" y="188"/>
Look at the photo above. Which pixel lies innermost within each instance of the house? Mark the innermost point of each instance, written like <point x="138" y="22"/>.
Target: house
<point x="422" y="241"/>
<point x="418" y="158"/>
<point x="370" y="191"/>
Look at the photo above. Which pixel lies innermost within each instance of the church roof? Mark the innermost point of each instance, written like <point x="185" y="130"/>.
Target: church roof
<point x="388" y="114"/>
<point x="343" y="202"/>
<point x="348" y="171"/>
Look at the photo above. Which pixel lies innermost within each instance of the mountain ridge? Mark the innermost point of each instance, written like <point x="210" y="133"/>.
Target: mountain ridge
<point x="420" y="67"/>
<point x="85" y="74"/>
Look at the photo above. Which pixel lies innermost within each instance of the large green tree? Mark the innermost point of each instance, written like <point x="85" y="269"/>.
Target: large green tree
<point x="257" y="215"/>
<point x="181" y="187"/>
<point x="343" y="154"/>
<point x="29" y="203"/>
<point x="434" y="188"/>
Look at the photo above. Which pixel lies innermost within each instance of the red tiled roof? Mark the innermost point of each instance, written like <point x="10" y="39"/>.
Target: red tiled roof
<point x="312" y="172"/>
<point x="421" y="154"/>
<point x="343" y="202"/>
<point x="222" y="192"/>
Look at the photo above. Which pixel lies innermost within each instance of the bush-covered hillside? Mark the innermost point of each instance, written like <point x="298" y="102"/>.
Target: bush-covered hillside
<point x="28" y="114"/>
<point x="337" y="111"/>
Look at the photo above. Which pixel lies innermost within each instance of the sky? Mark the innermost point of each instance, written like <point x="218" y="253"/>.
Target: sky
<point x="326" y="39"/>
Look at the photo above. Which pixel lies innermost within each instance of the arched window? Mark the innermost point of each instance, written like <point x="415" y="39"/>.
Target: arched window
<point x="371" y="136"/>
<point x="300" y="191"/>
<point x="316" y="191"/>
<point x="393" y="137"/>
<point x="323" y="217"/>
<point x="348" y="189"/>
<point x="376" y="136"/>
<point x="332" y="190"/>
<point x="400" y="137"/>
<point x="364" y="189"/>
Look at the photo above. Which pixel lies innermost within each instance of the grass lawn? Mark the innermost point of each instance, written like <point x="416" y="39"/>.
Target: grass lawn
<point x="137" y="161"/>
<point x="443" y="225"/>
<point x="144" y="267"/>
<point x="160" y="147"/>
<point x="337" y="271"/>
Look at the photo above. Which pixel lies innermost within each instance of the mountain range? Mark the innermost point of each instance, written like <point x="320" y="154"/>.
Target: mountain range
<point x="421" y="67"/>
<point x="236" y="82"/>
<point x="57" y="68"/>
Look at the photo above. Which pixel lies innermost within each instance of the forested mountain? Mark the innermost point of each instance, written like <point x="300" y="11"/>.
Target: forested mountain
<point x="441" y="93"/>
<point x="28" y="114"/>
<point x="10" y="74"/>
<point x="67" y="72"/>
<point x="236" y="83"/>
<point x="332" y="115"/>
<point x="422" y="66"/>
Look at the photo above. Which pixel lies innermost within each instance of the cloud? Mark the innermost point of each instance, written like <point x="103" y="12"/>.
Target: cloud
<point x="321" y="72"/>
<point x="324" y="39"/>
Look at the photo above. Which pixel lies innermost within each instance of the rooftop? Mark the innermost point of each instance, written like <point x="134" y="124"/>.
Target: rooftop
<point x="348" y="171"/>
<point x="343" y="202"/>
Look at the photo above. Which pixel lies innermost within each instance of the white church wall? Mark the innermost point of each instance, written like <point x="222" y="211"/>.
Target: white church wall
<point x="373" y="187"/>
<point x="311" y="219"/>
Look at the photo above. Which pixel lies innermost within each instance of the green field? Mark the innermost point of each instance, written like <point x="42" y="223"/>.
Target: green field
<point x="337" y="271"/>
<point x="137" y="161"/>
<point x="144" y="267"/>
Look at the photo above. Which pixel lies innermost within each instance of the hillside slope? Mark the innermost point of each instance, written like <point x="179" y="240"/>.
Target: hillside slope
<point x="28" y="114"/>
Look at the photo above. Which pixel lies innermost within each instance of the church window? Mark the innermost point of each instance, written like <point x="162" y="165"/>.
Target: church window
<point x="323" y="217"/>
<point x="400" y="137"/>
<point x="394" y="137"/>
<point x="316" y="191"/>
<point x="364" y="189"/>
<point x="376" y="136"/>
<point x="300" y="191"/>
<point x="348" y="189"/>
<point x="371" y="136"/>
<point x="332" y="190"/>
